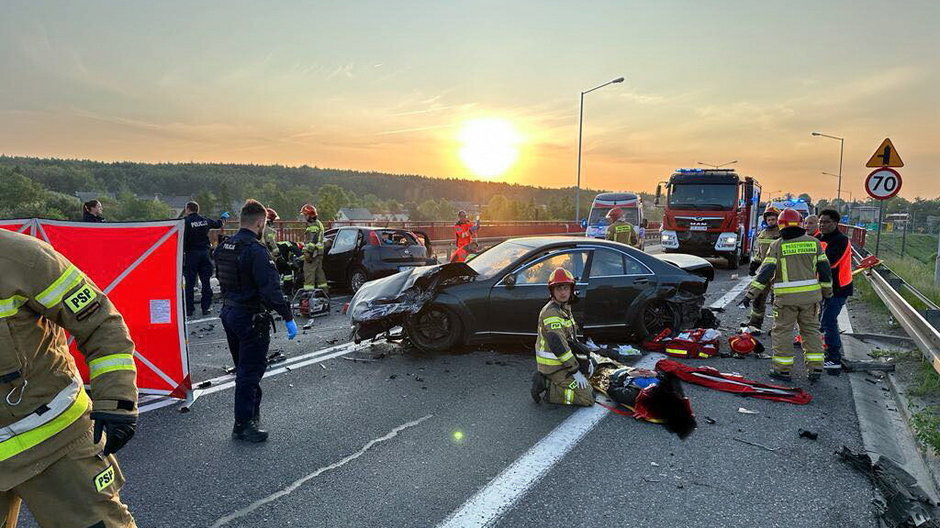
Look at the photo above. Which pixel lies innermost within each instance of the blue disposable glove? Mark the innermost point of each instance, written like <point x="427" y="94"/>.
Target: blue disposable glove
<point x="291" y="329"/>
<point x="225" y="215"/>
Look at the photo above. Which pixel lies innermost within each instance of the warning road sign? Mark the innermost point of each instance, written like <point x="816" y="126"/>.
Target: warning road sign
<point x="885" y="156"/>
<point x="883" y="183"/>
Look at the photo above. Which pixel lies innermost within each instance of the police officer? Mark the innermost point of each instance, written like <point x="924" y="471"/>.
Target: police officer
<point x="196" y="260"/>
<point x="314" y="277"/>
<point x="799" y="270"/>
<point x="765" y="238"/>
<point x="250" y="288"/>
<point x="619" y="230"/>
<point x="559" y="370"/>
<point x="52" y="455"/>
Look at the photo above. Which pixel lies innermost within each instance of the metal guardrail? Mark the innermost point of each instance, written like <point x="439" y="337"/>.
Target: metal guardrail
<point x="924" y="334"/>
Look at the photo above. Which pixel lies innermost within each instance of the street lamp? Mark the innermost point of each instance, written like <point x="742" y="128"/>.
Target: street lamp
<point x="577" y="203"/>
<point x="841" y="150"/>
<point x="851" y="196"/>
<point x="717" y="166"/>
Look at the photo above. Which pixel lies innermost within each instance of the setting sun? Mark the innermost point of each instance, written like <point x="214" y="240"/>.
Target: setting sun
<point x="489" y="146"/>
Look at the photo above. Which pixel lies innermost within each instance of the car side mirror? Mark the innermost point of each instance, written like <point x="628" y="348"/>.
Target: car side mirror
<point x="510" y="280"/>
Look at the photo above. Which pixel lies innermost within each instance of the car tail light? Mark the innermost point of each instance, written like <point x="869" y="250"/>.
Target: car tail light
<point x="373" y="239"/>
<point x="345" y="308"/>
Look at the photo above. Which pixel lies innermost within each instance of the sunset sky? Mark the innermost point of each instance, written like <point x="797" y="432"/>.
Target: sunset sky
<point x="390" y="86"/>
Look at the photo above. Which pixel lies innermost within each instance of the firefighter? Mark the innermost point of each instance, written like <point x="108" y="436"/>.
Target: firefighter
<point x="196" y="261"/>
<point x="797" y="266"/>
<point x="250" y="288"/>
<point x="765" y="238"/>
<point x="270" y="233"/>
<point x="91" y="211"/>
<point x="465" y="253"/>
<point x="464" y="231"/>
<point x="839" y="253"/>
<point x="314" y="277"/>
<point x="51" y="451"/>
<point x="619" y="230"/>
<point x="559" y="370"/>
<point x="811" y="225"/>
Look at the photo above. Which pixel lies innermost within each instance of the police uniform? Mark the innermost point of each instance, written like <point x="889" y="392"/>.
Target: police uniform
<point x="759" y="304"/>
<point x="196" y="261"/>
<point x="250" y="287"/>
<point x="314" y="277"/>
<point x="47" y="454"/>
<point x="797" y="266"/>
<point x="623" y="232"/>
<point x="559" y="368"/>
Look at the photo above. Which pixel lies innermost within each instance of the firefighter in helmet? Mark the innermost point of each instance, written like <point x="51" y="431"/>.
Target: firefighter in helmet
<point x="270" y="233"/>
<point x="797" y="266"/>
<point x="619" y="230"/>
<point x="53" y="455"/>
<point x="765" y="238"/>
<point x="314" y="277"/>
<point x="560" y="373"/>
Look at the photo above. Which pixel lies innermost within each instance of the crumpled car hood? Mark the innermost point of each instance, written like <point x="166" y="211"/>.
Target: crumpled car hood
<point x="383" y="304"/>
<point x="693" y="264"/>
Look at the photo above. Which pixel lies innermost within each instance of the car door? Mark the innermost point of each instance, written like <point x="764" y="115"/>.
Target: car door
<point x="615" y="281"/>
<point x="341" y="253"/>
<point x="514" y="308"/>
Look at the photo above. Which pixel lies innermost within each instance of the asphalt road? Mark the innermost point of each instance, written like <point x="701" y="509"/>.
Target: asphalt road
<point x="404" y="439"/>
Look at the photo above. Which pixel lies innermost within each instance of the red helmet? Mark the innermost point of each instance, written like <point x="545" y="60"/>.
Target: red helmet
<point x="560" y="276"/>
<point x="615" y="214"/>
<point x="272" y="215"/>
<point x="308" y="210"/>
<point x="742" y="343"/>
<point x="789" y="218"/>
<point x="771" y="211"/>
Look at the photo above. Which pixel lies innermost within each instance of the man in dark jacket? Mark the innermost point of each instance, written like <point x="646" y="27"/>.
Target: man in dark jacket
<point x="839" y="253"/>
<point x="196" y="261"/>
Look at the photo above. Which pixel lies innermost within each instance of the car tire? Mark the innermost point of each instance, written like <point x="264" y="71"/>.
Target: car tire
<point x="357" y="277"/>
<point x="654" y="317"/>
<point x="734" y="259"/>
<point x="435" y="329"/>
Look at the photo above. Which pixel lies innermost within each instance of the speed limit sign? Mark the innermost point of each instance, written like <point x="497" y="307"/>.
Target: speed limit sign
<point x="883" y="183"/>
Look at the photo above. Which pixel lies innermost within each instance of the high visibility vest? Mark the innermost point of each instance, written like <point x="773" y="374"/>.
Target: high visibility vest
<point x="765" y="238"/>
<point x="795" y="281"/>
<point x="463" y="233"/>
<point x="842" y="267"/>
<point x="555" y="319"/>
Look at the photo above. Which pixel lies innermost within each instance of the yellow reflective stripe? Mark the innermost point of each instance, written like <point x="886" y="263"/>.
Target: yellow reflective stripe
<point x="782" y="360"/>
<point x="815" y="357"/>
<point x="770" y="260"/>
<point x="53" y="295"/>
<point x="97" y="367"/>
<point x="569" y="396"/>
<point x="677" y="351"/>
<point x="757" y="286"/>
<point x="798" y="248"/>
<point x="822" y="258"/>
<point x="826" y="284"/>
<point x="546" y="361"/>
<point x="566" y="356"/>
<point x="784" y="274"/>
<point x="22" y="442"/>
<point x="9" y="307"/>
<point x="797" y="289"/>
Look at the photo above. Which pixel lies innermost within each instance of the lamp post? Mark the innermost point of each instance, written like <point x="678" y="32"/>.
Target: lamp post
<point x="841" y="150"/>
<point x="717" y="166"/>
<point x="577" y="203"/>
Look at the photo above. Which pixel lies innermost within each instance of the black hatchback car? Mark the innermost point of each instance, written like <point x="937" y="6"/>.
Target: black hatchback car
<point x="356" y="254"/>
<point x="622" y="292"/>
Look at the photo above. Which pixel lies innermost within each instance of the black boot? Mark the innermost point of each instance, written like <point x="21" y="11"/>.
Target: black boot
<point x="538" y="386"/>
<point x="248" y="431"/>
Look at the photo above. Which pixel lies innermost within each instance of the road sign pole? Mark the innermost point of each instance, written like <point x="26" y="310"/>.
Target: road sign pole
<point x="881" y="212"/>
<point x="936" y="273"/>
<point x="904" y="234"/>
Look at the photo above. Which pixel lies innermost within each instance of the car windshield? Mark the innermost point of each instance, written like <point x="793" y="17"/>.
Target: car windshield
<point x="492" y="261"/>
<point x="703" y="197"/>
<point x="599" y="215"/>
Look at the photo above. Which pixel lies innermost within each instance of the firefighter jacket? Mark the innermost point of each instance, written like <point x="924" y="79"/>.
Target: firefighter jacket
<point x="839" y="252"/>
<point x="765" y="238"/>
<point x="623" y="232"/>
<point x="44" y="404"/>
<point x="797" y="267"/>
<point x="556" y="319"/>
<point x="314" y="246"/>
<point x="196" y="231"/>
<point x="463" y="233"/>
<point x="270" y="240"/>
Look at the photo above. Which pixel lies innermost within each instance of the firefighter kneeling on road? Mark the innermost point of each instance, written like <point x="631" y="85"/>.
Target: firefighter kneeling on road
<point x="620" y="230"/>
<point x="51" y="453"/>
<point x="797" y="267"/>
<point x="560" y="373"/>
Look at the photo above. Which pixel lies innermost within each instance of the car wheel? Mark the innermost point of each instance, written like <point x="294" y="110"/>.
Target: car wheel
<point x="434" y="329"/>
<point x="655" y="317"/>
<point x="357" y="278"/>
<point x="734" y="259"/>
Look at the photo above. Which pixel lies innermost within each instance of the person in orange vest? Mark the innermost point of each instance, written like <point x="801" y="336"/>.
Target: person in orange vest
<point x="838" y="249"/>
<point x="464" y="230"/>
<point x="466" y="252"/>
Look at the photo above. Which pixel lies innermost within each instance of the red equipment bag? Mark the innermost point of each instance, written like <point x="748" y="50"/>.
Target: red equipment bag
<point x="723" y="381"/>
<point x="700" y="343"/>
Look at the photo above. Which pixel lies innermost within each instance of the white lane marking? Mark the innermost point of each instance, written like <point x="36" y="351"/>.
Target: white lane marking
<point x="202" y="320"/>
<point x="227" y="381"/>
<point x="503" y="492"/>
<point x="734" y="292"/>
<point x="301" y="481"/>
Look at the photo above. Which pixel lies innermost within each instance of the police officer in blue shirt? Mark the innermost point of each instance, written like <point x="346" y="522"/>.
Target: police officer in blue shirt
<point x="251" y="287"/>
<point x="196" y="260"/>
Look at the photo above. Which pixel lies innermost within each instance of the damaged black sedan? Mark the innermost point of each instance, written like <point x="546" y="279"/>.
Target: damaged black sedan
<point x="623" y="294"/>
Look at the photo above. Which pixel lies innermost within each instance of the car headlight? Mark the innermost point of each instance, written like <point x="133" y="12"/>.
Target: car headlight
<point x="727" y="242"/>
<point x="669" y="239"/>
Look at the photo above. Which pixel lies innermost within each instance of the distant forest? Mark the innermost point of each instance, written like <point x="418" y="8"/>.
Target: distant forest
<point x="46" y="187"/>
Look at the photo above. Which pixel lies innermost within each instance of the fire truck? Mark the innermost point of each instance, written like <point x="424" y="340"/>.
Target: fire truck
<point x="710" y="213"/>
